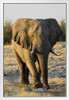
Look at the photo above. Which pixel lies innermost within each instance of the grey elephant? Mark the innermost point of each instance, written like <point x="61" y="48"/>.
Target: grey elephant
<point x="32" y="41"/>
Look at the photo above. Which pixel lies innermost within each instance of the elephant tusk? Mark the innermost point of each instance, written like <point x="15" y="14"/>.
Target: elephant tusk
<point x="33" y="52"/>
<point x="55" y="53"/>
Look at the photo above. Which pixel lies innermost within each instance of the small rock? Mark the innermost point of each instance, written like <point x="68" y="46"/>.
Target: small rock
<point x="41" y="90"/>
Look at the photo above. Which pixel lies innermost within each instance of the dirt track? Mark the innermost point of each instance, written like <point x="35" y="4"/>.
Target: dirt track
<point x="56" y="74"/>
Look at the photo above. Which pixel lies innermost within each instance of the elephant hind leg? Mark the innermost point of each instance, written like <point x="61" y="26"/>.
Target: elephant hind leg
<point x="24" y="71"/>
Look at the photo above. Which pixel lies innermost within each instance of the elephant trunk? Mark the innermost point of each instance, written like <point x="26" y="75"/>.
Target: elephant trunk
<point x="43" y="60"/>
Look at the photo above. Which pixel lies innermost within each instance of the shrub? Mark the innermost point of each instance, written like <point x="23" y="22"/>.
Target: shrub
<point x="7" y="34"/>
<point x="63" y="28"/>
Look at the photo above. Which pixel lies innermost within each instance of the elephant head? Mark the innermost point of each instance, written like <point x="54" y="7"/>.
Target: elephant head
<point x="37" y="36"/>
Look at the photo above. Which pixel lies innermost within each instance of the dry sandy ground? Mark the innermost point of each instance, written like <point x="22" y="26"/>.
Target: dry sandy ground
<point x="56" y="75"/>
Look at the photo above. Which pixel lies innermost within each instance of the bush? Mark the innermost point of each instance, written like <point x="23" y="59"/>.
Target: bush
<point x="7" y="34"/>
<point x="63" y="28"/>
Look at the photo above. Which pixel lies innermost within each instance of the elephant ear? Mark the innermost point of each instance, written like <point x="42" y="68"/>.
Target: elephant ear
<point x="20" y="34"/>
<point x="54" y="31"/>
<point x="22" y="39"/>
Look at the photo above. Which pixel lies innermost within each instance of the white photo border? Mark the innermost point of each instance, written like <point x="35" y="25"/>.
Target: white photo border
<point x="1" y="48"/>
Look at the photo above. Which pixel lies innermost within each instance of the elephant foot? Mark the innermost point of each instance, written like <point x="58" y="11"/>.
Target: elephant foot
<point x="24" y="82"/>
<point x="47" y="87"/>
<point x="45" y="84"/>
<point x="27" y="82"/>
<point x="37" y="85"/>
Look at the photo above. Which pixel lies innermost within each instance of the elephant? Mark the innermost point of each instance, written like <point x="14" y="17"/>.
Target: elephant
<point x="32" y="41"/>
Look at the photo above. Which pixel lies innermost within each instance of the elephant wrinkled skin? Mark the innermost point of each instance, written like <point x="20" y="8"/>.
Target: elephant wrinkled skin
<point x="32" y="41"/>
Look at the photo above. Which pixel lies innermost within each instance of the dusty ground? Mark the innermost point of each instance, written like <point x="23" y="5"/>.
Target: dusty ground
<point x="56" y="75"/>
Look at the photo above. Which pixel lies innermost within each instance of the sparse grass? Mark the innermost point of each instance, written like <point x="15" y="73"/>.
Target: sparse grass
<point x="56" y="71"/>
<point x="25" y="87"/>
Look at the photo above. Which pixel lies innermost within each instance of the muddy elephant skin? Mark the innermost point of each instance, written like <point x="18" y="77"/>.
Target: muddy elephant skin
<point x="32" y="38"/>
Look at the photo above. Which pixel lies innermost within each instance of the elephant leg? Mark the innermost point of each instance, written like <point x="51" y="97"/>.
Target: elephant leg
<point x="38" y="69"/>
<point x="26" y="75"/>
<point x="43" y="60"/>
<point x="45" y="74"/>
<point x="23" y="70"/>
<point x="30" y="63"/>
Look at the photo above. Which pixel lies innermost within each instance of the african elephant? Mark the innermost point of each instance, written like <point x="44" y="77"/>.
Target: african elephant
<point x="32" y="41"/>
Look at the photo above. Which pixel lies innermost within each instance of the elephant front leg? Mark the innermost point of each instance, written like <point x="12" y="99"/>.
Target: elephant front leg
<point x="22" y="73"/>
<point x="45" y="75"/>
<point x="45" y="78"/>
<point x="23" y="70"/>
<point x="32" y="68"/>
<point x="38" y="69"/>
<point x="44" y="69"/>
<point x="30" y="63"/>
<point x="26" y="75"/>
